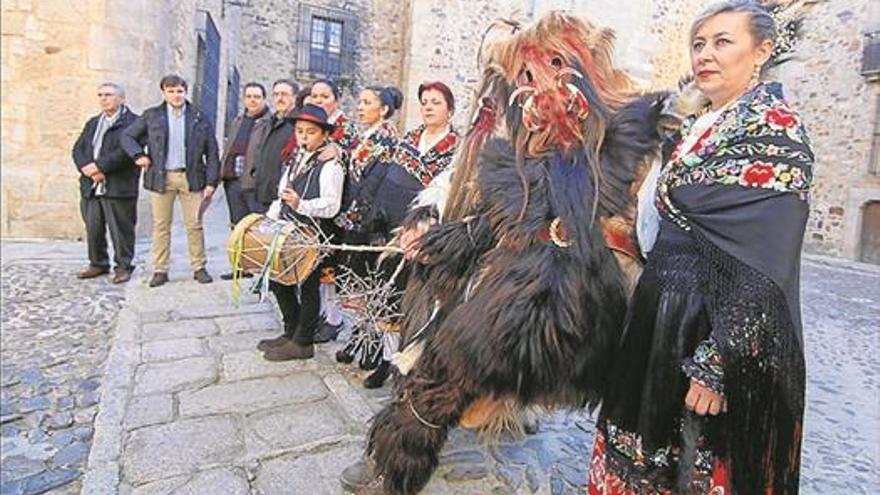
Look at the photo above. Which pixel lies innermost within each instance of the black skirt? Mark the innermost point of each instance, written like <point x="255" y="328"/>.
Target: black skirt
<point x="643" y="415"/>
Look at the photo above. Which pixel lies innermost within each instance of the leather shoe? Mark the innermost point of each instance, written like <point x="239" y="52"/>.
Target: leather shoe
<point x="266" y="344"/>
<point x="290" y="350"/>
<point x="378" y="376"/>
<point x="159" y="278"/>
<point x="92" y="272"/>
<point x="327" y="332"/>
<point x="201" y="276"/>
<point x="121" y="275"/>
<point x="358" y="476"/>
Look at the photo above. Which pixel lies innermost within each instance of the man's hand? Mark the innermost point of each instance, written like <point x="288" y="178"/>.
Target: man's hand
<point x="208" y="191"/>
<point x="290" y="197"/>
<point x="701" y="400"/>
<point x="330" y="152"/>
<point x="143" y="162"/>
<point x="98" y="177"/>
<point x="90" y="170"/>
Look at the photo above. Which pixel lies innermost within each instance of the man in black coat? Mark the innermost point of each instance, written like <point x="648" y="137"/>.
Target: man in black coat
<point x="270" y="162"/>
<point x="180" y="162"/>
<point x="109" y="186"/>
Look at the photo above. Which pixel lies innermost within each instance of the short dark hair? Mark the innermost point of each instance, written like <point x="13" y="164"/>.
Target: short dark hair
<point x="172" y="81"/>
<point x="254" y="84"/>
<point x="440" y="87"/>
<point x="290" y="82"/>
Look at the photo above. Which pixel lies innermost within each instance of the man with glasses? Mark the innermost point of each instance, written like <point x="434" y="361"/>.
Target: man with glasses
<point x="269" y="161"/>
<point x="108" y="186"/>
<point x="175" y="145"/>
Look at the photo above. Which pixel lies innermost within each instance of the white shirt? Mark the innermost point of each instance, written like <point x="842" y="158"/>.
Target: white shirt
<point x="327" y="204"/>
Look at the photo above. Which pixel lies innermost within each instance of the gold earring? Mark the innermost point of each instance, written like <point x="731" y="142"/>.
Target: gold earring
<point x="756" y="76"/>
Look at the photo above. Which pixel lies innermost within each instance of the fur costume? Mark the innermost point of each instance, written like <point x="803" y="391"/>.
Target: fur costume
<point x="524" y="284"/>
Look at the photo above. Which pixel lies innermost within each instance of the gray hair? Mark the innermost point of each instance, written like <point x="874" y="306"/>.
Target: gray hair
<point x="116" y="88"/>
<point x="761" y="23"/>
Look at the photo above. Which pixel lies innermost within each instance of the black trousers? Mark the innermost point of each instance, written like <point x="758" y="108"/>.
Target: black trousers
<point x="300" y="307"/>
<point x="236" y="200"/>
<point x="118" y="215"/>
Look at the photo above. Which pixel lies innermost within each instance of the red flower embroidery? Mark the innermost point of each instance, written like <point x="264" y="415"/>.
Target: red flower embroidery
<point x="758" y="174"/>
<point x="780" y="117"/>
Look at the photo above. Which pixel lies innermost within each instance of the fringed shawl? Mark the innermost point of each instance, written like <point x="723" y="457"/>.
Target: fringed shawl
<point x="742" y="192"/>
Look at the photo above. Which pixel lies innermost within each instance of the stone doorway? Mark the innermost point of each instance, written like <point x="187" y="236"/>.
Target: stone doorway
<point x="870" y="238"/>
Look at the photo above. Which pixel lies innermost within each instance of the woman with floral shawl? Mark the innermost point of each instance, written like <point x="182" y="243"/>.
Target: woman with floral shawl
<point x="707" y="393"/>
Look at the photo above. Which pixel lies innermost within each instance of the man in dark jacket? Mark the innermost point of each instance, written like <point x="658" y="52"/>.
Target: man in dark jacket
<point x="180" y="161"/>
<point x="108" y="183"/>
<point x="269" y="163"/>
<point x="239" y="153"/>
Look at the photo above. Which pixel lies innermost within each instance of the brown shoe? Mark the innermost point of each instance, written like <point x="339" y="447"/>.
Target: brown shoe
<point x="201" y="276"/>
<point x="121" y="275"/>
<point x="92" y="272"/>
<point x="266" y="344"/>
<point x="159" y="278"/>
<point x="288" y="351"/>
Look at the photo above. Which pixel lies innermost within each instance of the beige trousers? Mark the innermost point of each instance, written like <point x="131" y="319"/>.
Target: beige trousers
<point x="176" y="186"/>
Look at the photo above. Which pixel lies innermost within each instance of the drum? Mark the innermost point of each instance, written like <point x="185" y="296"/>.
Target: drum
<point x="288" y="247"/>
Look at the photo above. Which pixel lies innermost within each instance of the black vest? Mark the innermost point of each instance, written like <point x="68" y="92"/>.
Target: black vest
<point x="307" y="185"/>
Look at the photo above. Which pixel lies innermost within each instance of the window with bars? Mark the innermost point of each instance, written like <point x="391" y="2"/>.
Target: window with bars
<point x="326" y="42"/>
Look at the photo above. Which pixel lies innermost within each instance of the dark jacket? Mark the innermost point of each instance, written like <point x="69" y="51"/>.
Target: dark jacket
<point x="122" y="174"/>
<point x="151" y="130"/>
<point x="269" y="165"/>
<point x="258" y="133"/>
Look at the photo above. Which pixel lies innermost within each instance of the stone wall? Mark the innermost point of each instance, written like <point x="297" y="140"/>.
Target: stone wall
<point x="54" y="55"/>
<point x="271" y="28"/>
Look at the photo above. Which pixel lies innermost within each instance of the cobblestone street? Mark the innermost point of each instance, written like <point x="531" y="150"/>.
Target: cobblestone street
<point x="187" y="405"/>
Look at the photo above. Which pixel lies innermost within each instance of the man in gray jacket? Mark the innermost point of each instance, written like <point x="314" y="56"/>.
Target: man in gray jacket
<point x="239" y="153"/>
<point x="175" y="146"/>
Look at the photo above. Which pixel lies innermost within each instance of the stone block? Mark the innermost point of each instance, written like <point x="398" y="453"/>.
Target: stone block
<point x="182" y="447"/>
<point x="250" y="364"/>
<point x="174" y="376"/>
<point x="223" y="344"/>
<point x="215" y="310"/>
<point x="286" y="474"/>
<point x="252" y="395"/>
<point x="228" y="481"/>
<point x="296" y="425"/>
<point x="261" y="322"/>
<point x="172" y="350"/>
<point x="180" y="329"/>
<point x="149" y="410"/>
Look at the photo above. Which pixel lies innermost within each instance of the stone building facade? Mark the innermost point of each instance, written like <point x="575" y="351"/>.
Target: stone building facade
<point x="56" y="53"/>
<point x="51" y="63"/>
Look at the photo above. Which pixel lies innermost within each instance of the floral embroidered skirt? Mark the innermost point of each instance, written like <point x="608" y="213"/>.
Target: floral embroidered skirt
<point x="646" y="441"/>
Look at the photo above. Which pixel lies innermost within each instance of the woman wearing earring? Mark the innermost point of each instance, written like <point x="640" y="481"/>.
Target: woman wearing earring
<point x="708" y="391"/>
<point x="361" y="218"/>
<point x="423" y="153"/>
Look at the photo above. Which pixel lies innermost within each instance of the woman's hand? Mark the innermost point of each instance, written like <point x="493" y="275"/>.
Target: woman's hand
<point x="290" y="198"/>
<point x="701" y="400"/>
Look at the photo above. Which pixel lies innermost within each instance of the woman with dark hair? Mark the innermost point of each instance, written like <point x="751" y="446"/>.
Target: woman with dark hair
<point x="326" y="94"/>
<point x="363" y="219"/>
<point x="424" y="153"/>
<point x="707" y="391"/>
